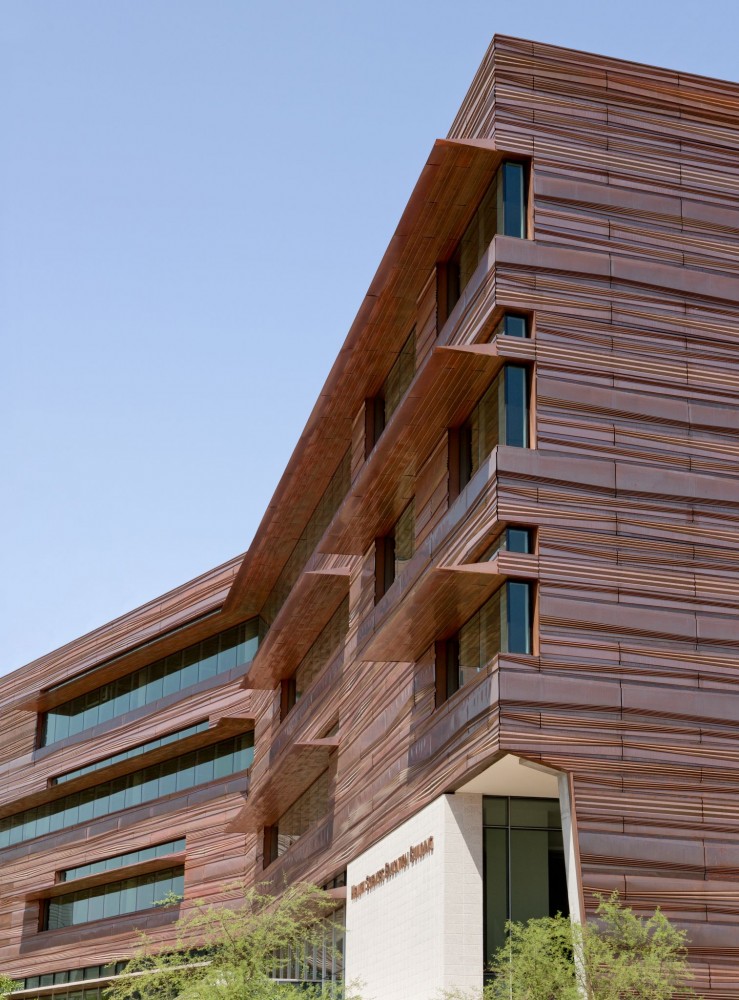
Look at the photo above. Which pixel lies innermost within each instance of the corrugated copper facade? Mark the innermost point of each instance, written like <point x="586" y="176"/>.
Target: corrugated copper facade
<point x="629" y="276"/>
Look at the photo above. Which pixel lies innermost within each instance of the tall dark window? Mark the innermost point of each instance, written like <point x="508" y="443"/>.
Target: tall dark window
<point x="500" y="417"/>
<point x="381" y="407"/>
<point x="394" y="550"/>
<point x="502" y="211"/>
<point x="502" y="625"/>
<point x="524" y="865"/>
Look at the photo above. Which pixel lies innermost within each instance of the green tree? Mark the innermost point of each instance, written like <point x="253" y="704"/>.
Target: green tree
<point x="620" y="955"/>
<point x="234" y="952"/>
<point x="7" y="985"/>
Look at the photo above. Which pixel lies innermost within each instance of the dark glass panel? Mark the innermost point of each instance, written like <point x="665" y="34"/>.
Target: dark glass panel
<point x="518" y="540"/>
<point x="172" y="673"/>
<point x="190" y="661"/>
<point x="209" y="662"/>
<point x="494" y="811"/>
<point x="513" y="200"/>
<point x="168" y="776"/>
<point x="496" y="888"/>
<point x="518" y="616"/>
<point x="543" y="813"/>
<point x="529" y="874"/>
<point x="107" y="703"/>
<point x="204" y="766"/>
<point x="155" y="683"/>
<point x="92" y="704"/>
<point x="87" y="797"/>
<point x="227" y="653"/>
<point x="516" y="406"/>
<point x="97" y="903"/>
<point x="512" y="326"/>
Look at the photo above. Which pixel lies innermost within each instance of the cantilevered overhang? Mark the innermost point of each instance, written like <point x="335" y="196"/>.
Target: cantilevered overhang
<point x="275" y="790"/>
<point x="436" y="605"/>
<point x="448" y="190"/>
<point x="442" y="395"/>
<point x="318" y="592"/>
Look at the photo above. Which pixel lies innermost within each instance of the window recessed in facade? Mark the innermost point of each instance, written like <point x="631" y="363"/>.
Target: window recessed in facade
<point x="502" y="211"/>
<point x="511" y="540"/>
<point x="500" y="417"/>
<point x="220" y="760"/>
<point x="308" y="809"/>
<point x="512" y="325"/>
<point x="394" y="550"/>
<point x="331" y="637"/>
<point x="122" y="860"/>
<point x="114" y="899"/>
<point x="502" y="625"/>
<point x="523" y="863"/>
<point x="215" y="655"/>
<point x="141" y="748"/>
<point x="381" y="407"/>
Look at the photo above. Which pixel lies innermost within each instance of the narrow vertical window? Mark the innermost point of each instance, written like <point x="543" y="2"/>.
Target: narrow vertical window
<point x="502" y="625"/>
<point x="511" y="201"/>
<point x="516" y="408"/>
<point x="502" y="210"/>
<point x="380" y="408"/>
<point x="394" y="550"/>
<point x="500" y="417"/>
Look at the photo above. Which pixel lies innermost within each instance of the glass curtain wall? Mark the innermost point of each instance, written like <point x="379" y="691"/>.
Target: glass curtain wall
<point x="523" y="864"/>
<point x="220" y="760"/>
<point x="142" y="892"/>
<point x="137" y="751"/>
<point x="121" y="860"/>
<point x="173" y="673"/>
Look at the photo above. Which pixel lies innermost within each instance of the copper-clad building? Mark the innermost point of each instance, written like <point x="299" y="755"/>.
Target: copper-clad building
<point x="481" y="659"/>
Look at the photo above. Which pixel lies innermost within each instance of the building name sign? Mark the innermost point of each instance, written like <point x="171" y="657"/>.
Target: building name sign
<point x="392" y="868"/>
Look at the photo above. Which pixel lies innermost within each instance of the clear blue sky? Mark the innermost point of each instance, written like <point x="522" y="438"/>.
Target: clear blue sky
<point x="194" y="196"/>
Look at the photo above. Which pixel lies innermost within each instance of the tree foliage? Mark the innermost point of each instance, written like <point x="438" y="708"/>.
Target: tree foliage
<point x="7" y="985"/>
<point x="234" y="952"/>
<point x="617" y="956"/>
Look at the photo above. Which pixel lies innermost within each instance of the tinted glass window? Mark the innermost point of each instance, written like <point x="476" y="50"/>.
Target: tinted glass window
<point x="204" y="659"/>
<point x="524" y="868"/>
<point x="231" y="755"/>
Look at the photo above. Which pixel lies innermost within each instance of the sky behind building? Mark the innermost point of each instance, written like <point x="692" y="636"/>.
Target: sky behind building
<point x="194" y="197"/>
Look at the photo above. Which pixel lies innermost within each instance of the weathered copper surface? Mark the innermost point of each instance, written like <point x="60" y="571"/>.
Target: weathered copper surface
<point x="631" y="280"/>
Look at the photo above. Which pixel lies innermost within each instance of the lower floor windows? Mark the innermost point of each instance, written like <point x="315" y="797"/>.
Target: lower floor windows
<point x="523" y="864"/>
<point x="219" y="760"/>
<point x="502" y="625"/>
<point x="112" y="900"/>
